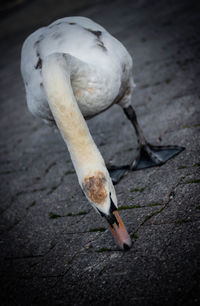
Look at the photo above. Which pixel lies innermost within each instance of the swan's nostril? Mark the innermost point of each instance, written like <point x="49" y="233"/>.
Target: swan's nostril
<point x="126" y="247"/>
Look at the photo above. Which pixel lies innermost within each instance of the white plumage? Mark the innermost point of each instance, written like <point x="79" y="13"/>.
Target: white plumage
<point x="101" y="66"/>
<point x="74" y="69"/>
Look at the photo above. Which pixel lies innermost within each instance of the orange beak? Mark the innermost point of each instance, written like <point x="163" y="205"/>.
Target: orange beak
<point x="119" y="231"/>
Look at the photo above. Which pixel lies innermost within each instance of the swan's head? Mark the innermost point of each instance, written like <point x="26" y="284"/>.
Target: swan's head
<point x="100" y="191"/>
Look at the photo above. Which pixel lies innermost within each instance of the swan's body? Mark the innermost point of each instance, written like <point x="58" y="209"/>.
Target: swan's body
<point x="74" y="69"/>
<point x="101" y="67"/>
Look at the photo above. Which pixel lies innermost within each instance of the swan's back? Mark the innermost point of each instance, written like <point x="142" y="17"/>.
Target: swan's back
<point x="81" y="38"/>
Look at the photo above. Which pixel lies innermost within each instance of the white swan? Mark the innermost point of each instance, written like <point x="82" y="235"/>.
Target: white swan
<point x="74" y="69"/>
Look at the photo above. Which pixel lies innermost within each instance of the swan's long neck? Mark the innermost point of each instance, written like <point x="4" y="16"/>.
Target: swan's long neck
<point x="84" y="154"/>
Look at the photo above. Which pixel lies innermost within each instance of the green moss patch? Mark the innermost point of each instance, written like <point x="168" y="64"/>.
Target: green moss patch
<point x="53" y="244"/>
<point x="53" y="188"/>
<point x="128" y="207"/>
<point x="192" y="182"/>
<point x="154" y="204"/>
<point x="40" y="189"/>
<point x="182" y="167"/>
<point x="50" y="166"/>
<point x="167" y="81"/>
<point x="151" y="215"/>
<point x="54" y="216"/>
<point x="5" y="172"/>
<point x="138" y="189"/>
<point x="103" y="250"/>
<point x="69" y="172"/>
<point x="81" y="213"/>
<point x="134" y="236"/>
<point x="191" y="126"/>
<point x="31" y="205"/>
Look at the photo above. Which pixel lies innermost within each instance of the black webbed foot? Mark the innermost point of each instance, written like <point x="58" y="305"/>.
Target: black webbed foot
<point x="151" y="156"/>
<point x="116" y="173"/>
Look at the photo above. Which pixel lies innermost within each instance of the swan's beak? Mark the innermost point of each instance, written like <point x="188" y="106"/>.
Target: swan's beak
<point x="118" y="230"/>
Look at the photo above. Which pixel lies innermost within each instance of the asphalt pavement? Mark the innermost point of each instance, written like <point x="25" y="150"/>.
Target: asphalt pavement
<point x="54" y="248"/>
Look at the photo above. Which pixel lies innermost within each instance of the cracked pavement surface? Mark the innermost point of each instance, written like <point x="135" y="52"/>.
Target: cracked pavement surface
<point x="54" y="248"/>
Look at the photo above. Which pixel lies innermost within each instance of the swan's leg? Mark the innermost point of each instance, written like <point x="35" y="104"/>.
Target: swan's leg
<point x="149" y="155"/>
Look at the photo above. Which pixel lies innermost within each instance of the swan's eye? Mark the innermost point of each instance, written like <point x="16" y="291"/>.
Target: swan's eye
<point x="112" y="205"/>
